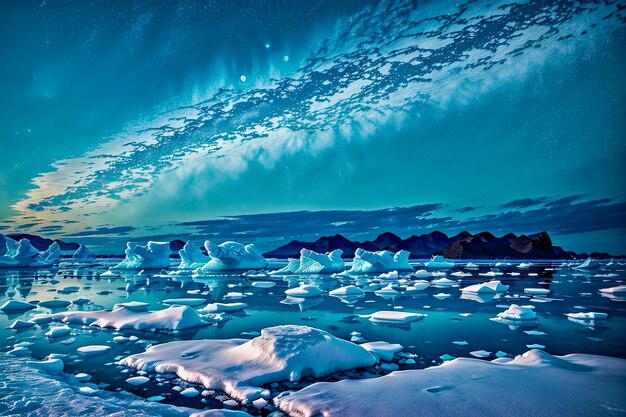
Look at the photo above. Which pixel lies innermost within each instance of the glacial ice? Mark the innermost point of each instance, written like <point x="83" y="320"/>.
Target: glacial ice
<point x="311" y="262"/>
<point x="93" y="350"/>
<point x="191" y="257"/>
<point x="223" y="307"/>
<point x="15" y="306"/>
<point x="395" y="317"/>
<point x="486" y="287"/>
<point x="231" y="256"/>
<point x="154" y="255"/>
<point x="517" y="313"/>
<point x="614" y="290"/>
<point x="240" y="366"/>
<point x="438" y="261"/>
<point x="347" y="291"/>
<point x="83" y="256"/>
<point x="537" y="291"/>
<point x="465" y="386"/>
<point x="304" y="291"/>
<point x="23" y="254"/>
<point x="366" y="262"/>
<point x="121" y="317"/>
<point x="589" y="316"/>
<point x="589" y="264"/>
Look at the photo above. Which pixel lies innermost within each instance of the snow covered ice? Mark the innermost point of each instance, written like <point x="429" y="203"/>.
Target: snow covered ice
<point x="23" y="254"/>
<point x="231" y="256"/>
<point x="191" y="257"/>
<point x="311" y="262"/>
<point x="366" y="262"/>
<point x="154" y="255"/>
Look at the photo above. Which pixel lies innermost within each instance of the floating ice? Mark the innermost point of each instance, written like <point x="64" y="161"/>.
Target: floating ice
<point x="311" y="262"/>
<point x="93" y="350"/>
<point x="395" y="317"/>
<point x="184" y="301"/>
<point x="58" y="331"/>
<point x="417" y="286"/>
<point x="20" y="325"/>
<point x="263" y="284"/>
<point x="51" y="366"/>
<point x="137" y="380"/>
<point x="83" y="256"/>
<point x="304" y="291"/>
<point x="480" y="354"/>
<point x="388" y="292"/>
<point x="443" y="282"/>
<point x="537" y="291"/>
<point x="614" y="290"/>
<point x="231" y="256"/>
<point x="366" y="262"/>
<point x="463" y="386"/>
<point x="223" y="307"/>
<point x="442" y="296"/>
<point x="590" y="316"/>
<point x="15" y="306"/>
<point x="191" y="257"/>
<point x="438" y="261"/>
<point x="240" y="366"/>
<point x="349" y="290"/>
<point x="122" y="317"/>
<point x="486" y="287"/>
<point x="589" y="264"/>
<point x="389" y="275"/>
<point x="535" y="346"/>
<point x="518" y="313"/>
<point x="155" y="255"/>
<point x="54" y="304"/>
<point x="23" y="254"/>
<point x="382" y="350"/>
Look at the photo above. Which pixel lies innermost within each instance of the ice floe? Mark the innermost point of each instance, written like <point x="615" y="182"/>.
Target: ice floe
<point x="349" y="290"/>
<point x="589" y="316"/>
<point x="589" y="264"/>
<point x="191" y="257"/>
<point x="486" y="287"/>
<point x="304" y="291"/>
<point x="83" y="256"/>
<point x="311" y="262"/>
<point x="223" y="307"/>
<point x="16" y="306"/>
<point x="366" y="262"/>
<point x="240" y="366"/>
<point x="517" y="313"/>
<point x="395" y="317"/>
<point x="23" y="254"/>
<point x="438" y="261"/>
<point x="231" y="256"/>
<point x="154" y="255"/>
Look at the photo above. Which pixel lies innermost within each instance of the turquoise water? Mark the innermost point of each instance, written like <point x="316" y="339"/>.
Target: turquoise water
<point x="448" y="319"/>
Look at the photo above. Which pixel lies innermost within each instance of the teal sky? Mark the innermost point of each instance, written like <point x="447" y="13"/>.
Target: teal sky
<point x="134" y="114"/>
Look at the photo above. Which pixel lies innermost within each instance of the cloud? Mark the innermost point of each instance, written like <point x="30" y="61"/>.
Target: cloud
<point x="115" y="231"/>
<point x="525" y="202"/>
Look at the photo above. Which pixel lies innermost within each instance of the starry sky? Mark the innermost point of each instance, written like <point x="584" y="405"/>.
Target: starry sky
<point x="267" y="121"/>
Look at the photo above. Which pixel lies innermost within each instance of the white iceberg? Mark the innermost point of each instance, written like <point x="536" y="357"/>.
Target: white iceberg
<point x="467" y="386"/>
<point x="347" y="291"/>
<point x="517" y="313"/>
<point x="241" y="366"/>
<point x="614" y="290"/>
<point x="537" y="291"/>
<point x="589" y="264"/>
<point x="590" y="316"/>
<point x="438" y="261"/>
<point x="191" y="257"/>
<point x="366" y="262"/>
<point x="231" y="256"/>
<point x="395" y="317"/>
<point x="304" y="291"/>
<point x="155" y="255"/>
<point x="23" y="254"/>
<point x="122" y="317"/>
<point x="83" y="256"/>
<point x="486" y="287"/>
<point x="223" y="307"/>
<point x="311" y="262"/>
<point x="15" y="306"/>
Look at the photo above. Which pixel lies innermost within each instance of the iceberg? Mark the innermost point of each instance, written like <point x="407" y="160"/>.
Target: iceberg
<point x="83" y="256"/>
<point x="589" y="264"/>
<point x="122" y="318"/>
<point x="438" y="261"/>
<point x="304" y="291"/>
<point x="620" y="289"/>
<point x="240" y="367"/>
<point x="155" y="255"/>
<point x="486" y="287"/>
<point x="347" y="291"/>
<point x="468" y="386"/>
<point x="590" y="316"/>
<point x="366" y="262"/>
<point x="23" y="254"/>
<point x="311" y="262"/>
<point x="517" y="313"/>
<point x="395" y="317"/>
<point x="191" y="257"/>
<point x="231" y="256"/>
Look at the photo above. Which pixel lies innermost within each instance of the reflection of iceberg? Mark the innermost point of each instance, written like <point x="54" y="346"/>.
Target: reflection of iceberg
<point x="231" y="256"/>
<point x="23" y="254"/>
<point x="304" y="303"/>
<point x="191" y="257"/>
<point x="311" y="262"/>
<point x="438" y="261"/>
<point x="152" y="256"/>
<point x="366" y="262"/>
<point x="83" y="256"/>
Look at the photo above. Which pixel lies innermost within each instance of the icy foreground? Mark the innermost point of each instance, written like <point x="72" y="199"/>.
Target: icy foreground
<point x="231" y="256"/>
<point x="311" y="262"/>
<point x="29" y="391"/>
<point x="23" y="254"/>
<point x="155" y="255"/>
<point x="366" y="262"/>
<point x="534" y="383"/>
<point x="125" y="316"/>
<point x="239" y="366"/>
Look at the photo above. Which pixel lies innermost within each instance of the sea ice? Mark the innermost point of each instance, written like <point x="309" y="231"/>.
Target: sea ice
<point x="304" y="291"/>
<point x="382" y="350"/>
<point x="311" y="262"/>
<point x="93" y="350"/>
<point x="240" y="366"/>
<point x="537" y="291"/>
<point x="155" y="255"/>
<point x="518" y="313"/>
<point x="438" y="261"/>
<point x="349" y="290"/>
<point x="23" y="254"/>
<point x="223" y="307"/>
<point x="395" y="317"/>
<point x="366" y="262"/>
<point x="486" y="287"/>
<point x="83" y="256"/>
<point x="54" y="304"/>
<point x="231" y="256"/>
<point x="192" y="302"/>
<point x="191" y="257"/>
<point x="137" y="380"/>
<point x="590" y="316"/>
<point x="614" y="290"/>
<point x="15" y="306"/>
<point x="589" y="264"/>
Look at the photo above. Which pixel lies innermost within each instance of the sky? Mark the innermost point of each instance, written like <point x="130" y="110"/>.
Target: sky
<point x="267" y="121"/>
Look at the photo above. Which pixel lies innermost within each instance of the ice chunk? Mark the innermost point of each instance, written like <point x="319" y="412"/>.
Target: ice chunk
<point x="51" y="366"/>
<point x="15" y="306"/>
<point x="486" y="287"/>
<point x="537" y="291"/>
<point x="347" y="291"/>
<point x="121" y="317"/>
<point x="231" y="256"/>
<point x="589" y="264"/>
<point x="184" y="301"/>
<point x="480" y="354"/>
<point x="54" y="304"/>
<point x="137" y="380"/>
<point x="389" y="275"/>
<point x="466" y="387"/>
<point x="382" y="350"/>
<point x="190" y="392"/>
<point x="58" y="331"/>
<point x="366" y="262"/>
<point x="20" y="325"/>
<point x="442" y="296"/>
<point x="438" y="261"/>
<point x="93" y="350"/>
<point x="443" y="282"/>
<point x="304" y="291"/>
<point x="240" y="366"/>
<point x="590" y="316"/>
<point x="223" y="307"/>
<point x="23" y="254"/>
<point x="395" y="317"/>
<point x="83" y="256"/>
<point x="518" y="313"/>
<point x="191" y="257"/>
<point x="311" y="262"/>
<point x="155" y="255"/>
<point x="614" y="290"/>
<point x="263" y="284"/>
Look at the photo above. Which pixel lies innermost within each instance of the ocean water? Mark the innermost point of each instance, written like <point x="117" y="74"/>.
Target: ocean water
<point x="452" y="319"/>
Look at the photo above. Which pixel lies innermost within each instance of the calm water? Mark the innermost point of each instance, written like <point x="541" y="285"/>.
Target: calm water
<point x="447" y="321"/>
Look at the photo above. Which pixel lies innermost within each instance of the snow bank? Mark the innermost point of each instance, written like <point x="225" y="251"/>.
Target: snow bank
<point x="240" y="366"/>
<point x="231" y="256"/>
<point x="23" y="254"/>
<point x="311" y="262"/>
<point x="438" y="261"/>
<point x="534" y="383"/>
<point x="155" y="255"/>
<point x="366" y="262"/>
<point x="486" y="287"/>
<point x="122" y="317"/>
<point x="191" y="257"/>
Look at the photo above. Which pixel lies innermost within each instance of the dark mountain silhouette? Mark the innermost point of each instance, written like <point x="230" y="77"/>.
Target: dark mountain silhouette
<point x="487" y="246"/>
<point x="41" y="243"/>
